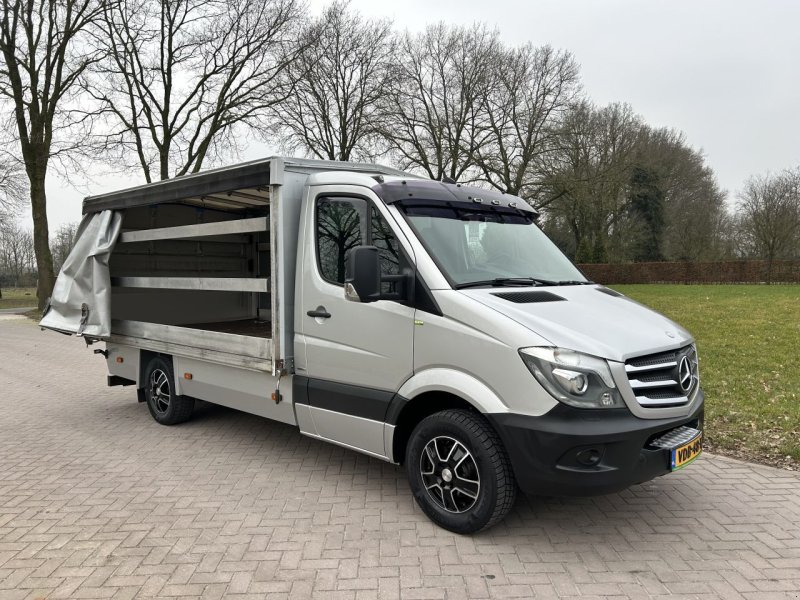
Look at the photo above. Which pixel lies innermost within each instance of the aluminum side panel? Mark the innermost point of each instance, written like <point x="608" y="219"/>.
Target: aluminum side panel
<point x="285" y="242"/>
<point x="242" y="389"/>
<point x="129" y="367"/>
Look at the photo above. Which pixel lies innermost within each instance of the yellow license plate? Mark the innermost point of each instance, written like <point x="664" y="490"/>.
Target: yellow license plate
<point x="683" y="455"/>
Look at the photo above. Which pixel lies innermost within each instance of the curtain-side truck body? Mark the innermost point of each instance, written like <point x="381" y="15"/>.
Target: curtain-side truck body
<point x="423" y="323"/>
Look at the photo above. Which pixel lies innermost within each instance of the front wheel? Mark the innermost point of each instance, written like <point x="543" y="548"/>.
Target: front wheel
<point x="459" y="471"/>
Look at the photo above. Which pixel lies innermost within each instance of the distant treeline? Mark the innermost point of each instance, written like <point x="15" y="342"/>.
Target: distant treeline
<point x="169" y="88"/>
<point x="18" y="257"/>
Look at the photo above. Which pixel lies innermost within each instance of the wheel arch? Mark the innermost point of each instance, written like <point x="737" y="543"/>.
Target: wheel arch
<point x="178" y="408"/>
<point x="429" y="392"/>
<point x="145" y="356"/>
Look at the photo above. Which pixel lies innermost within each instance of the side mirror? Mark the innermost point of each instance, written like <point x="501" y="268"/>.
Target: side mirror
<point x="362" y="281"/>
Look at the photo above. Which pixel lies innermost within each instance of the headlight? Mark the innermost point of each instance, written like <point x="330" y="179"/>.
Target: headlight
<point x="573" y="378"/>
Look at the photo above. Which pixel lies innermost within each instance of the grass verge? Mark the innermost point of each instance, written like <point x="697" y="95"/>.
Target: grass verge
<point x="748" y="340"/>
<point x="18" y="297"/>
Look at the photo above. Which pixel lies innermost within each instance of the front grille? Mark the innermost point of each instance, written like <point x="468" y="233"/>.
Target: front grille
<point x="652" y="359"/>
<point x="663" y="380"/>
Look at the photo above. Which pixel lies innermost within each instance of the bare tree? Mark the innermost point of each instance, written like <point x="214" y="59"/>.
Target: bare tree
<point x="12" y="186"/>
<point x="184" y="79"/>
<point x="436" y="113"/>
<point x="17" y="259"/>
<point x="532" y="90"/>
<point x="63" y="241"/>
<point x="344" y="68"/>
<point x="770" y="216"/>
<point x="12" y="196"/>
<point x="42" y="60"/>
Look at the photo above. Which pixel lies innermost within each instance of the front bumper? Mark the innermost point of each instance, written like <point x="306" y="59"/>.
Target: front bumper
<point x="584" y="452"/>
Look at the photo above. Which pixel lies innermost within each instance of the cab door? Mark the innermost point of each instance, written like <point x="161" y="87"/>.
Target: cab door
<point x="356" y="355"/>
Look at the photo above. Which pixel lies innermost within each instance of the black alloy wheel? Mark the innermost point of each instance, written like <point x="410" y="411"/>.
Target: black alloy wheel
<point x="459" y="471"/>
<point x="166" y="407"/>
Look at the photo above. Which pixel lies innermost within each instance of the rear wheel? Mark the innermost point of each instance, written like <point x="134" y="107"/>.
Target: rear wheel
<point x="166" y="407"/>
<point x="459" y="471"/>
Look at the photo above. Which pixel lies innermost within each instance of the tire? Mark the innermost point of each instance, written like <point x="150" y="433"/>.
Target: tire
<point x="459" y="471"/>
<point x="166" y="407"/>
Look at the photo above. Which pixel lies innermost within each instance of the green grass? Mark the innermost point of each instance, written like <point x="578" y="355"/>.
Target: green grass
<point x="16" y="297"/>
<point x="748" y="339"/>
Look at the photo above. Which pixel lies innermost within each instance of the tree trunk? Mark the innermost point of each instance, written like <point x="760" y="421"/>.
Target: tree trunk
<point x="41" y="240"/>
<point x="163" y="165"/>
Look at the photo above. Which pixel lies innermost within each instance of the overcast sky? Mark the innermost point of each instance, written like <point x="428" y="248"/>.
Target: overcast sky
<point x="725" y="72"/>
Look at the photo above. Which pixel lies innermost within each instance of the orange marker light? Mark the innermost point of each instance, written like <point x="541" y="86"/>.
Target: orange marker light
<point x="187" y="375"/>
<point x="120" y="359"/>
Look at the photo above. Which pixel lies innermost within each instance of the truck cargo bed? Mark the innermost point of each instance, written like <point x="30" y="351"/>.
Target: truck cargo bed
<point x="205" y="341"/>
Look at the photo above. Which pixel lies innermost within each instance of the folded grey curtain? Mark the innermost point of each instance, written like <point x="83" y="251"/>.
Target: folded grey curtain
<point x="81" y="300"/>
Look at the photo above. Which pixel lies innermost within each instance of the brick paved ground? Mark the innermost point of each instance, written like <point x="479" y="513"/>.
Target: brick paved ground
<point x="98" y="501"/>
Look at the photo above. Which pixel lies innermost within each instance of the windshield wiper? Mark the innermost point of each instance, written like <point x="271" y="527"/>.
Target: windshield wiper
<point x="505" y="281"/>
<point x="522" y="281"/>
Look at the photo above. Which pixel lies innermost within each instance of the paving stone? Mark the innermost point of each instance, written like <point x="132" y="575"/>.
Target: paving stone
<point x="99" y="501"/>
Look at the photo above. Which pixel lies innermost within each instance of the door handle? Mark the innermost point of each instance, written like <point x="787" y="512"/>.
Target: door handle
<point x="319" y="313"/>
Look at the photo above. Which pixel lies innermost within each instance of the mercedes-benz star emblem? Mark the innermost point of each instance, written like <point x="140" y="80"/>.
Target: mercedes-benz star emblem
<point x="685" y="374"/>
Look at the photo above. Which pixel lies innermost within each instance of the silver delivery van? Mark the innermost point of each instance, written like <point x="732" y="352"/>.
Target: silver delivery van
<point x="427" y="324"/>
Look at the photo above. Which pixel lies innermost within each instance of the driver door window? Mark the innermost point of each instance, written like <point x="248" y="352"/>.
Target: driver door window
<point x="342" y="225"/>
<point x="340" y="228"/>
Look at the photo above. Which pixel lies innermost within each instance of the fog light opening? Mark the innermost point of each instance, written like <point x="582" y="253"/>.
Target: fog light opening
<point x="590" y="457"/>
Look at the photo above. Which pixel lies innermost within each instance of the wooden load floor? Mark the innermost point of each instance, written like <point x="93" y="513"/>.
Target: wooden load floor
<point x="249" y="327"/>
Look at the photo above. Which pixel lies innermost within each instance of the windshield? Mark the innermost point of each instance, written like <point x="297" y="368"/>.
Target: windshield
<point x="491" y="246"/>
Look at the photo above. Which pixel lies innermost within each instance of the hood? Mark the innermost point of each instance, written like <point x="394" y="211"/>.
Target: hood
<point x="589" y="320"/>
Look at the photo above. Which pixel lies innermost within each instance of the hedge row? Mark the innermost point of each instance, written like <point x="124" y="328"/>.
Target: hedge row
<point x="727" y="271"/>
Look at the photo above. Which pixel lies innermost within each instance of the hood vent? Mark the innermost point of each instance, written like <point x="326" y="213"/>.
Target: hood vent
<point x="609" y="292"/>
<point x="529" y="297"/>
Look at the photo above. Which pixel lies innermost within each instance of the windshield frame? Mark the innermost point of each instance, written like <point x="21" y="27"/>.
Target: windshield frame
<point x="402" y="205"/>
